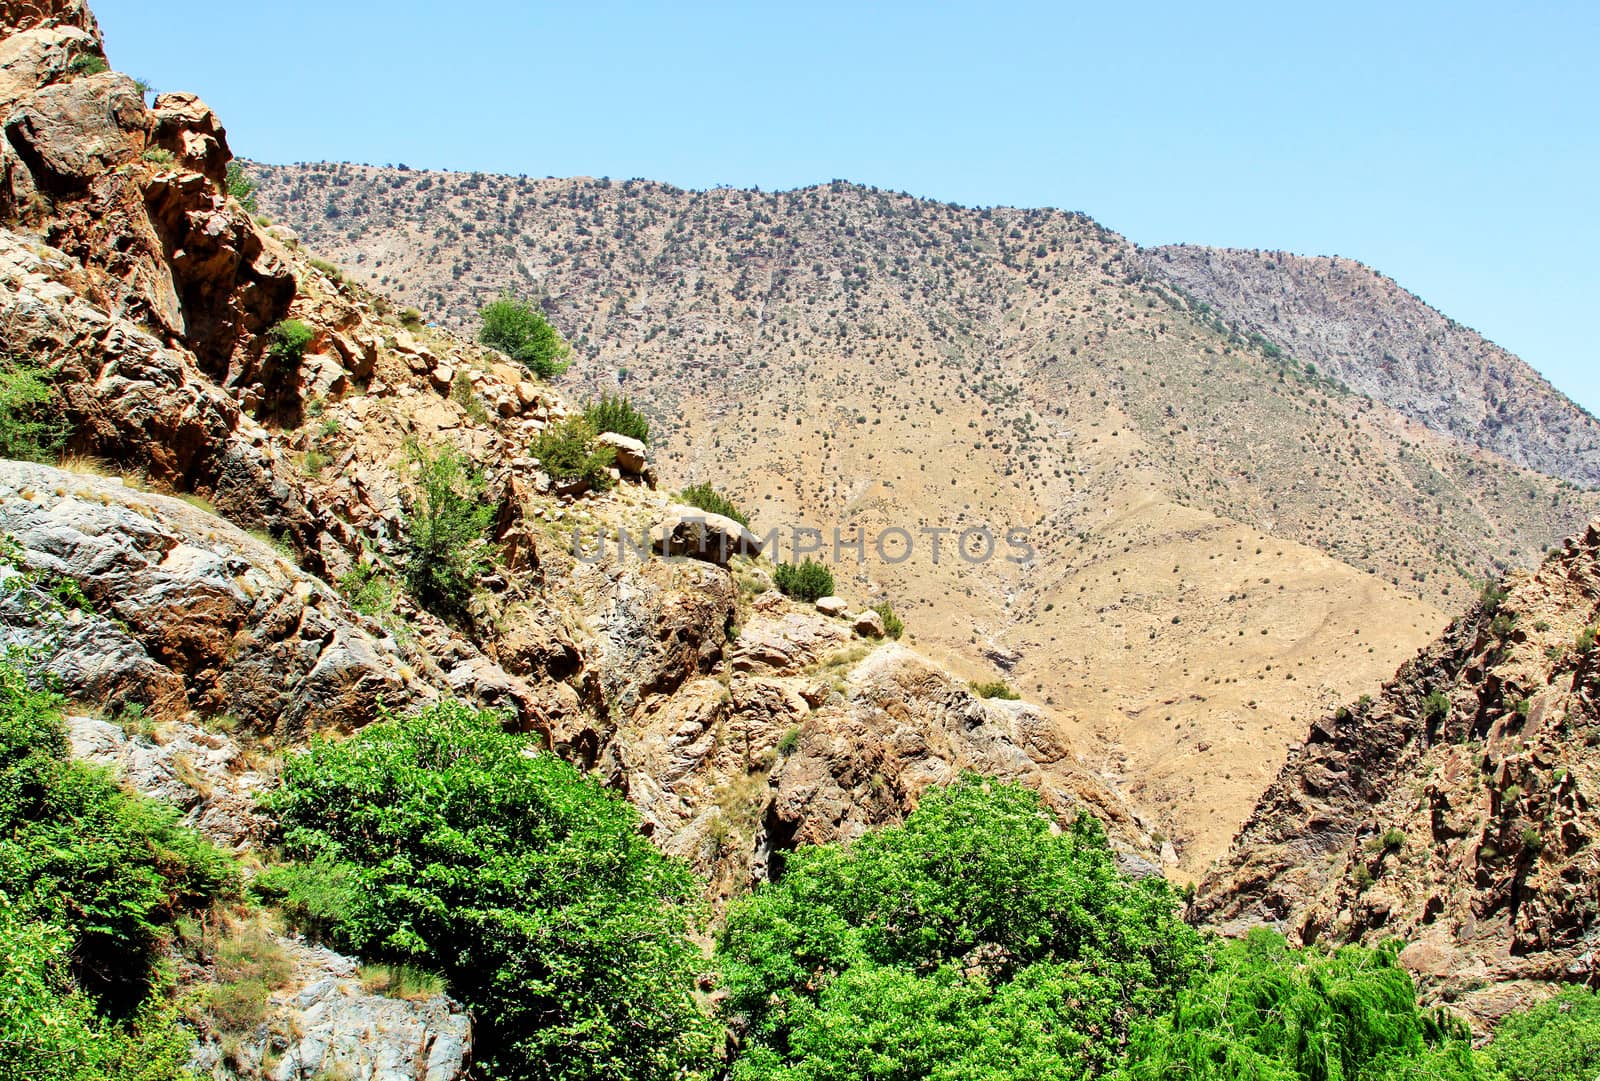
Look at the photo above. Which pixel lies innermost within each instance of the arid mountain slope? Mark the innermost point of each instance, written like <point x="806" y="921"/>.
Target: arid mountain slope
<point x="1366" y="331"/>
<point x="1226" y="544"/>
<point x="1456" y="810"/>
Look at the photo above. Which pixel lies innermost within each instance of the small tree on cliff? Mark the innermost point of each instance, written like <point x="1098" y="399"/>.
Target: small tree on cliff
<point x="520" y="330"/>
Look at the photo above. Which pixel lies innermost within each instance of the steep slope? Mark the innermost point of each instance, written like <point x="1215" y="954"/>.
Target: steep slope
<point x="1226" y="543"/>
<point x="1455" y="810"/>
<point x="1369" y="333"/>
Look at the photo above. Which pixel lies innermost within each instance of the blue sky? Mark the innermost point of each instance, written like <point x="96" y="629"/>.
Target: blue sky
<point x="1455" y="147"/>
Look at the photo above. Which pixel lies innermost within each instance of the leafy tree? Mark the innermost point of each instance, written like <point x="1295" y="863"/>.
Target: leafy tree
<point x="709" y="499"/>
<point x="614" y="413"/>
<point x="1262" y="1010"/>
<point x="803" y="581"/>
<point x="973" y="941"/>
<point x="446" y="522"/>
<point x="526" y="884"/>
<point x="567" y="451"/>
<point x="109" y="869"/>
<point x="520" y="330"/>
<point x="1557" y="1040"/>
<point x="32" y="428"/>
<point x="241" y="187"/>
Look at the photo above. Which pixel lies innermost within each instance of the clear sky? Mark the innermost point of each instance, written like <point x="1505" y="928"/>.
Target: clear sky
<point x="1453" y="146"/>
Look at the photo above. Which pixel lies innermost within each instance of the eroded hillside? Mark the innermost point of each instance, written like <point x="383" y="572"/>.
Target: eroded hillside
<point x="1226" y="543"/>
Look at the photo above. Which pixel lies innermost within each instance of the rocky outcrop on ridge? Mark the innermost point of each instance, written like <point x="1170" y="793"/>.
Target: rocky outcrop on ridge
<point x="1456" y="810"/>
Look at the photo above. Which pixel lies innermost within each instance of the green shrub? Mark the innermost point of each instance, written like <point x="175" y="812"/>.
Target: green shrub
<point x="32" y="426"/>
<point x="249" y="965"/>
<point x="529" y="887"/>
<point x="446" y="521"/>
<point x="1262" y="1010"/>
<point x="1557" y="1040"/>
<point x="1436" y="707"/>
<point x="49" y="1029"/>
<point x="789" y="741"/>
<point x="370" y="591"/>
<point x="241" y="188"/>
<point x="1584" y="643"/>
<point x="803" y="581"/>
<point x="567" y="451"/>
<point x="287" y="341"/>
<point x="464" y="394"/>
<point x="159" y="156"/>
<point x="709" y="499"/>
<point x="614" y="413"/>
<point x="971" y="942"/>
<point x="994" y="688"/>
<point x="327" y="268"/>
<point x="108" y="869"/>
<point x="87" y="64"/>
<point x="893" y="625"/>
<point x="411" y="318"/>
<point x="519" y="330"/>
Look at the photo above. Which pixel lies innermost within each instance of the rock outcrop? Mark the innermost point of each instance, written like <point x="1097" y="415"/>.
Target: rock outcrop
<point x="1456" y="811"/>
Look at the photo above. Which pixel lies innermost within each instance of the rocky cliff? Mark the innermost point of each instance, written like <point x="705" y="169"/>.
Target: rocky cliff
<point x="219" y="488"/>
<point x="1455" y="810"/>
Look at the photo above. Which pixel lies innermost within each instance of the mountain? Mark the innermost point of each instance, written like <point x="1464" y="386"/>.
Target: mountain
<point x="1454" y="809"/>
<point x="1369" y="333"/>
<point x="1228" y="540"/>
<point x="220" y="570"/>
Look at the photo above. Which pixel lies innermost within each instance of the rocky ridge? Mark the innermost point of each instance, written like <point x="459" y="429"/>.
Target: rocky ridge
<point x="1364" y="330"/>
<point x="1454" y="810"/>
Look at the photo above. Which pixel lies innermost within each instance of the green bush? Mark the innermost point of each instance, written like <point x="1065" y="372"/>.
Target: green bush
<point x="519" y="330"/>
<point x="994" y="688"/>
<point x="446" y="522"/>
<point x="1557" y="1040"/>
<point x="370" y="591"/>
<point x="49" y="1029"/>
<point x="287" y="341"/>
<point x="32" y="427"/>
<point x="709" y="499"/>
<point x="804" y="581"/>
<point x="567" y="451"/>
<point x="241" y="188"/>
<point x="893" y="625"/>
<point x="464" y="394"/>
<point x="87" y="64"/>
<point x="974" y="941"/>
<point x="1262" y="1010"/>
<point x="109" y="869"/>
<point x="525" y="884"/>
<point x="614" y="413"/>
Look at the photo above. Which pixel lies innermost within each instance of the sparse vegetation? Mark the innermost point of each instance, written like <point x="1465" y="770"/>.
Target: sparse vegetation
<point x="87" y="64"/>
<point x="464" y="394"/>
<point x="804" y="581"/>
<point x="521" y="331"/>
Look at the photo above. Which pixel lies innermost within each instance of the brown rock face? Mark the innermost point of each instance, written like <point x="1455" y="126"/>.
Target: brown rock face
<point x="1457" y="810"/>
<point x="69" y="133"/>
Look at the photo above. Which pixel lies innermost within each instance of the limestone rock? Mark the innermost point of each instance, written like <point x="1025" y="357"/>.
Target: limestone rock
<point x="833" y="607"/>
<point x="630" y="452"/>
<point x="690" y="531"/>
<point x="68" y="133"/>
<point x="867" y="624"/>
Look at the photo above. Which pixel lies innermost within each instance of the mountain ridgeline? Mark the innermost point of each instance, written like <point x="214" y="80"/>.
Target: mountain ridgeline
<point x="1231" y="538"/>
